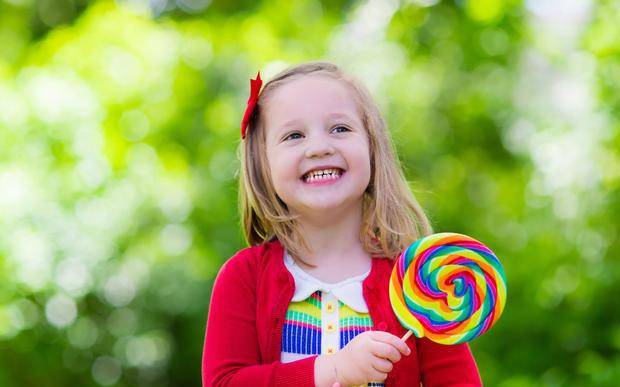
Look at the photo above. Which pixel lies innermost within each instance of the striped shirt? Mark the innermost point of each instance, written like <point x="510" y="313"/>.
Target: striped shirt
<point x="322" y="318"/>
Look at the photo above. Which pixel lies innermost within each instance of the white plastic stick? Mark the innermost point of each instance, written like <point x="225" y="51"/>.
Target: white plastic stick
<point x="406" y="335"/>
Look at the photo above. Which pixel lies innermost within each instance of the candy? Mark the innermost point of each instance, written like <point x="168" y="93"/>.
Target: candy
<point x="447" y="287"/>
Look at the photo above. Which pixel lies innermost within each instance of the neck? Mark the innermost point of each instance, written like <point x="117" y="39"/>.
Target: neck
<point x="333" y="238"/>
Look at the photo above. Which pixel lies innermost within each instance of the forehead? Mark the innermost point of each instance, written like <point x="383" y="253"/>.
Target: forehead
<point x="310" y="97"/>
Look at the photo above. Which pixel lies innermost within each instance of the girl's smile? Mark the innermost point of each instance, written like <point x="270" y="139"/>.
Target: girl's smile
<point x="323" y="176"/>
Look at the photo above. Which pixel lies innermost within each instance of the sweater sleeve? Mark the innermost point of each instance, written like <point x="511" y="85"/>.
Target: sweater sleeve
<point x="447" y="365"/>
<point x="231" y="355"/>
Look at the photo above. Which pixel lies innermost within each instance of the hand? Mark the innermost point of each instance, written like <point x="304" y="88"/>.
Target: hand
<point x="368" y="357"/>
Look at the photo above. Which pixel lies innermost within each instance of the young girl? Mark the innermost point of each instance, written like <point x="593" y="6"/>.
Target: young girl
<point x="326" y="209"/>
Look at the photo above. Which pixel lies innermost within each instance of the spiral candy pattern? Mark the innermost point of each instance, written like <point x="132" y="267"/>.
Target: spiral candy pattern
<point x="448" y="287"/>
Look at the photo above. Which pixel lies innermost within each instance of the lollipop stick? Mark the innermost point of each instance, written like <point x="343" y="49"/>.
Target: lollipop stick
<point x="406" y="335"/>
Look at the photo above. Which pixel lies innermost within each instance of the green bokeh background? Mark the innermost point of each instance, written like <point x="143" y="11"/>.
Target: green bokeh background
<point x="118" y="128"/>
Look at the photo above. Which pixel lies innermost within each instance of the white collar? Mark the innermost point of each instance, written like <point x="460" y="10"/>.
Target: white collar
<point x="349" y="291"/>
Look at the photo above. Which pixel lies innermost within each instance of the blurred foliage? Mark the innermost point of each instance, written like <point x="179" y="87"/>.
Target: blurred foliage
<point x="118" y="129"/>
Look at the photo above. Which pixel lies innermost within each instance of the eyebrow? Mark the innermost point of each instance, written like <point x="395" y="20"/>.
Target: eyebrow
<point x="330" y="115"/>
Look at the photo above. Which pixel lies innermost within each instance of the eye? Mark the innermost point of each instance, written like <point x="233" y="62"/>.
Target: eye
<point x="343" y="127"/>
<point x="292" y="134"/>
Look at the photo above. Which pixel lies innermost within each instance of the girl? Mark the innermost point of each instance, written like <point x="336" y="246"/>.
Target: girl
<point x="326" y="209"/>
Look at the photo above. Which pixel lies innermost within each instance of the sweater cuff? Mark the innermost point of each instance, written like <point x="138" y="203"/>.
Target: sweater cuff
<point x="296" y="373"/>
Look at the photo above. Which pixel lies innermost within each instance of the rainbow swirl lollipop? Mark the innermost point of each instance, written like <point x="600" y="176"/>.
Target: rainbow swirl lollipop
<point x="448" y="287"/>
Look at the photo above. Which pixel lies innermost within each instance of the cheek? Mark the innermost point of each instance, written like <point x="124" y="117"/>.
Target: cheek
<point x="285" y="164"/>
<point x="282" y="171"/>
<point x="363" y="160"/>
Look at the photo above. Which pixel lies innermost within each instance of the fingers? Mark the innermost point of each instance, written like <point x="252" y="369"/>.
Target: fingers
<point x="394" y="341"/>
<point x="377" y="376"/>
<point x="382" y="365"/>
<point x="385" y="351"/>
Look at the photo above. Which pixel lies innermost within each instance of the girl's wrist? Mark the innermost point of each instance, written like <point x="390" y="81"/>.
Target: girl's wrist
<point x="325" y="371"/>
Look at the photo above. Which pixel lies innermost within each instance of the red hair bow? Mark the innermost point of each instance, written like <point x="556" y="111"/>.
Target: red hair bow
<point x="255" y="85"/>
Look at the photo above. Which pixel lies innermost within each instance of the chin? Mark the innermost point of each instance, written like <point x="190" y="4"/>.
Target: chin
<point x="323" y="205"/>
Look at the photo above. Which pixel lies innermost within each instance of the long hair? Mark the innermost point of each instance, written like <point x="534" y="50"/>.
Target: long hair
<point x="392" y="218"/>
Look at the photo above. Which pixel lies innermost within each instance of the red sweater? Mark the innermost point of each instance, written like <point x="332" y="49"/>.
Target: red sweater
<point x="243" y="337"/>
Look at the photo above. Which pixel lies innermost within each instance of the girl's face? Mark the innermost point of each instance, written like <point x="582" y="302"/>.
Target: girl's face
<point x="312" y="124"/>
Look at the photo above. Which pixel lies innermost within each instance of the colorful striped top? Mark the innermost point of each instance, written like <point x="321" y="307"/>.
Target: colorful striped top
<point x="322" y="318"/>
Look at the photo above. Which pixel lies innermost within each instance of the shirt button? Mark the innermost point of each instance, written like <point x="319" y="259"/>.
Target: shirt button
<point x="331" y="327"/>
<point x="330" y="350"/>
<point x="330" y="307"/>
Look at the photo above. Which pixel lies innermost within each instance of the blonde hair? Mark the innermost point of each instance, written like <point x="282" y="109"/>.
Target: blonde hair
<point x="392" y="219"/>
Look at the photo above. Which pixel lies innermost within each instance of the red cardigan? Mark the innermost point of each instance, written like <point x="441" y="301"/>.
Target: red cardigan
<point x="243" y="337"/>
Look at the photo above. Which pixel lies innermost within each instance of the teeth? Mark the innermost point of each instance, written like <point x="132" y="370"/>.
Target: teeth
<point x="322" y="175"/>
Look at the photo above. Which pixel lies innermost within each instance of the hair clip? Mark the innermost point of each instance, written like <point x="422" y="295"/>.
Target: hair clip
<point x="255" y="85"/>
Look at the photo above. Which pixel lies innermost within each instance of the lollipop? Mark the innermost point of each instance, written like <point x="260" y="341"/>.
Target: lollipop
<point x="448" y="287"/>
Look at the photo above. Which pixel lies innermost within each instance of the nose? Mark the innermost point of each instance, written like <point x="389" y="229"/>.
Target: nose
<point x="319" y="146"/>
